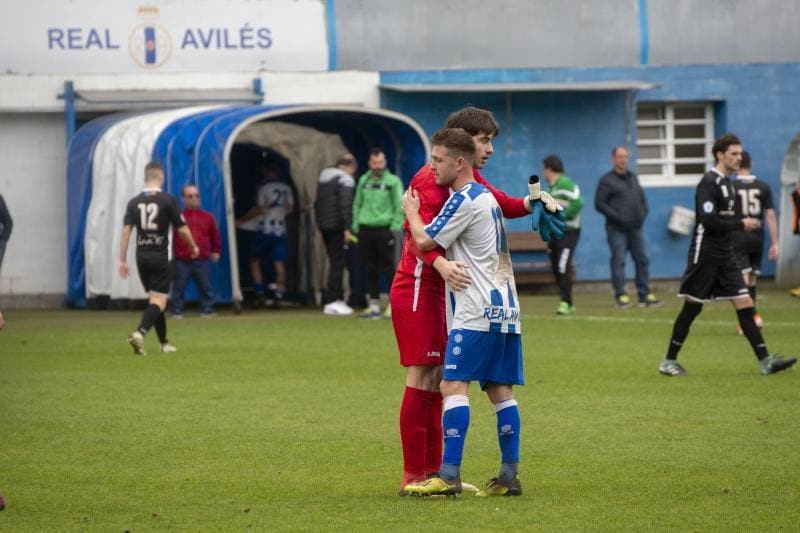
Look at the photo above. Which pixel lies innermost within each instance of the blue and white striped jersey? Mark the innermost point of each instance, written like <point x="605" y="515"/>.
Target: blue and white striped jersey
<point x="470" y="227"/>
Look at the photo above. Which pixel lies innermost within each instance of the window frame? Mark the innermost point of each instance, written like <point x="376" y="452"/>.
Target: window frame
<point x="668" y="177"/>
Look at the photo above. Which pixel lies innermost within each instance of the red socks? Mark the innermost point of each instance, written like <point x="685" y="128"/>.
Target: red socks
<point x="433" y="437"/>
<point x="420" y="433"/>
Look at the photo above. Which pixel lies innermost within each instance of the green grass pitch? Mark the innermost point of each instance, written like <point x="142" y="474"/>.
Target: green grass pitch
<point x="287" y="420"/>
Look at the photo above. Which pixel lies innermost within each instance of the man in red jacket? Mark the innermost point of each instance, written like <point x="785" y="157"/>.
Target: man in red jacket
<point x="418" y="304"/>
<point x="206" y="235"/>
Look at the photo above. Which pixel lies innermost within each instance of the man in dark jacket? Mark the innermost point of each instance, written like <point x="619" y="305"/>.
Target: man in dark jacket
<point x="620" y="199"/>
<point x="334" y="213"/>
<point x="5" y="227"/>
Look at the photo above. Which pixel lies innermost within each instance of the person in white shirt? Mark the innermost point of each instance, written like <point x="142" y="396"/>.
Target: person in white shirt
<point x="484" y="341"/>
<point x="267" y="219"/>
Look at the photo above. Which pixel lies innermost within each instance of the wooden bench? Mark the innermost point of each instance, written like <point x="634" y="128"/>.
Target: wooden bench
<point x="530" y="258"/>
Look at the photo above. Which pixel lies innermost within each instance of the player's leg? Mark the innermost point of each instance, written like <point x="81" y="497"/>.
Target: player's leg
<point x="258" y="244"/>
<point x="421" y="339"/>
<point x="463" y="359"/>
<point x="279" y="262"/>
<point x="508" y="435"/>
<point x="154" y="273"/>
<point x="422" y="388"/>
<point x="696" y="289"/>
<point x="680" y="330"/>
<point x="755" y="263"/>
<point x="504" y="371"/>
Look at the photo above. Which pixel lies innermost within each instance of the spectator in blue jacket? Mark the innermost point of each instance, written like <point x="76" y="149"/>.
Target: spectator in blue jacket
<point x="620" y="199"/>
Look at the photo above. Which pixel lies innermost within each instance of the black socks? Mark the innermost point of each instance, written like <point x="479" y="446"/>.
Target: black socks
<point x="680" y="330"/>
<point x="149" y="317"/>
<point x="752" y="332"/>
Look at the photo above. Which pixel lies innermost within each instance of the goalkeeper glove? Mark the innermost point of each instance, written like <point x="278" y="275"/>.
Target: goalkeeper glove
<point x="549" y="224"/>
<point x="536" y="193"/>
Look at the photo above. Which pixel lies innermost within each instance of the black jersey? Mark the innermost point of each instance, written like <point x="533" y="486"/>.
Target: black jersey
<point x="716" y="218"/>
<point x="753" y="198"/>
<point x="151" y="212"/>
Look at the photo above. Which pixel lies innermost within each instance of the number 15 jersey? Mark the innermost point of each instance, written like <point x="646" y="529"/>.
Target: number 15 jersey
<point x="151" y="212"/>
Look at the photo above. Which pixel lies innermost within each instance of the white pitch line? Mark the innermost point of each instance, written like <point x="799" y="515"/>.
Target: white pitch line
<point x="591" y="318"/>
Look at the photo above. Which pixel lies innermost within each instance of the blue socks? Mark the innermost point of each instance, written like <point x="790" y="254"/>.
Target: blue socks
<point x="455" y="423"/>
<point x="508" y="425"/>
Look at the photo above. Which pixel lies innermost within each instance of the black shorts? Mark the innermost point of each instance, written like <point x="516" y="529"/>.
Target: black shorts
<point x="155" y="273"/>
<point x="748" y="250"/>
<point x="749" y="261"/>
<point x="705" y="281"/>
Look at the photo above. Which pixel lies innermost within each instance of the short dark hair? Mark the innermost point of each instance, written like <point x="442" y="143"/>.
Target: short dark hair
<point x="183" y="189"/>
<point x="473" y="120"/>
<point x="746" y="161"/>
<point x="455" y="140"/>
<point x="723" y="143"/>
<point x="553" y="162"/>
<point x="615" y="148"/>
<point x="346" y="159"/>
<point x="151" y="170"/>
<point x="376" y="151"/>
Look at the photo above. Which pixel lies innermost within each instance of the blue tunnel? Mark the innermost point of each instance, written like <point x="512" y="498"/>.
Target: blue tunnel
<point x="208" y="147"/>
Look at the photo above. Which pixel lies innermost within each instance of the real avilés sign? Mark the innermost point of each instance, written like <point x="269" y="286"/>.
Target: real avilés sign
<point x="115" y="36"/>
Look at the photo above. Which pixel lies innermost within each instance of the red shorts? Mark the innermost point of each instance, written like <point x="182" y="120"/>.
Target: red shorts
<point x="421" y="336"/>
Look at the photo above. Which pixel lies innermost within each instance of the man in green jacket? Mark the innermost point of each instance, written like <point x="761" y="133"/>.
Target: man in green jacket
<point x="568" y="194"/>
<point x="377" y="217"/>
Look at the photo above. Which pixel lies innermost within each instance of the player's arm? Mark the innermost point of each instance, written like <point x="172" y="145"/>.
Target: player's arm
<point x="772" y="225"/>
<point x="123" y="250"/>
<point x="706" y="211"/>
<point x="288" y="203"/>
<point x="772" y="222"/>
<point x="253" y="212"/>
<point x="415" y="224"/>
<point x="511" y="206"/>
<point x="428" y="195"/>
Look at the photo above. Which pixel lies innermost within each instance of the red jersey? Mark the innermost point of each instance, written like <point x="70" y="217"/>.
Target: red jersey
<point x="204" y="231"/>
<point x="417" y="285"/>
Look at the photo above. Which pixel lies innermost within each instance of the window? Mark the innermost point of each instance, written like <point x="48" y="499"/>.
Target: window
<point x="673" y="142"/>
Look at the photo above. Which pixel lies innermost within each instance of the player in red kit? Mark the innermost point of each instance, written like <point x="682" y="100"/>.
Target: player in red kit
<point x="418" y="304"/>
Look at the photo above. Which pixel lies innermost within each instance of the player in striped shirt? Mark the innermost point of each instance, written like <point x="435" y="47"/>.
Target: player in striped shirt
<point x="484" y="342"/>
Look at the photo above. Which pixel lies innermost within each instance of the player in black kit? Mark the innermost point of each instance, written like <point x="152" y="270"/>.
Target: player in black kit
<point x="753" y="199"/>
<point x="152" y="212"/>
<point x="712" y="270"/>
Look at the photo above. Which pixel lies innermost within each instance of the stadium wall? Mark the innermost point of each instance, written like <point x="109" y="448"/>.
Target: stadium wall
<point x="757" y="101"/>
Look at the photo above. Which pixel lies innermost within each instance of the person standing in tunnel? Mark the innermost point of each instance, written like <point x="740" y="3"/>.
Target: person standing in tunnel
<point x="377" y="217"/>
<point x="334" y="213"/>
<point x="274" y="201"/>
